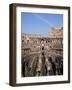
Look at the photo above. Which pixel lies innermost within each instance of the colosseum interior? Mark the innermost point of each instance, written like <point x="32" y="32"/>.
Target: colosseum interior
<point x="42" y="56"/>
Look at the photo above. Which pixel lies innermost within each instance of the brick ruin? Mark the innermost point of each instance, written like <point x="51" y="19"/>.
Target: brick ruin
<point x="42" y="55"/>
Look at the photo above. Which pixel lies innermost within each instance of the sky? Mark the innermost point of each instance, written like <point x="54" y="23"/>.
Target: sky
<point x="40" y="23"/>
